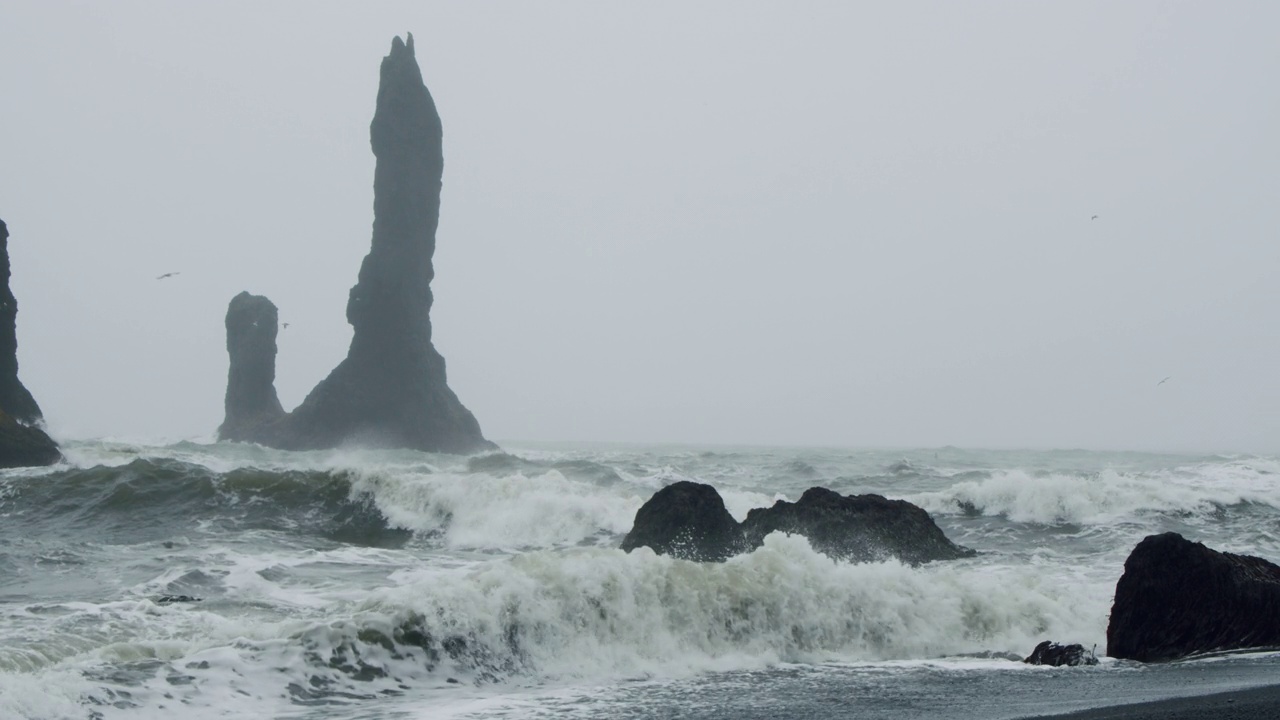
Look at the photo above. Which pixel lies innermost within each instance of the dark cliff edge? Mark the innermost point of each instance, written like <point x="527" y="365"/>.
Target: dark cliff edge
<point x="22" y="442"/>
<point x="1178" y="598"/>
<point x="391" y="389"/>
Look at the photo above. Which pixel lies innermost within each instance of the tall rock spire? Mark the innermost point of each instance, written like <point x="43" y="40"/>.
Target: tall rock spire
<point x="22" y="442"/>
<point x="15" y="400"/>
<point x="391" y="389"/>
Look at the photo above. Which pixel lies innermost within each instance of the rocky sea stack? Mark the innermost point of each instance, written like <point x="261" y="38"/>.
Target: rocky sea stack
<point x="22" y="442"/>
<point x="252" y="405"/>
<point x="1178" y="598"/>
<point x="688" y="520"/>
<point x="390" y="391"/>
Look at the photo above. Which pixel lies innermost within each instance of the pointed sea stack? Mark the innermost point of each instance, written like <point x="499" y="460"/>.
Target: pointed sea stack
<point x="22" y="442"/>
<point x="15" y="400"/>
<point x="390" y="391"/>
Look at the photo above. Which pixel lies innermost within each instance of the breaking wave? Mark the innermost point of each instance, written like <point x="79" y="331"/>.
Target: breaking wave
<point x="1107" y="496"/>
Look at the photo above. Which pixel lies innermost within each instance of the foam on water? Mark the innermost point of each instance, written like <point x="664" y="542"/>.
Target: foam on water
<point x="593" y="611"/>
<point x="486" y="512"/>
<point x="504" y="576"/>
<point x="1106" y="496"/>
<point x="582" y="614"/>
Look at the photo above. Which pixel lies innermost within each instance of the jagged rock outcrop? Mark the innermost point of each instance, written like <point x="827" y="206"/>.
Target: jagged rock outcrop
<point x="252" y="407"/>
<point x="1051" y="653"/>
<point x="857" y="528"/>
<point x="1178" y="598"/>
<point x="391" y="389"/>
<point x="22" y="442"/>
<point x="689" y="520"/>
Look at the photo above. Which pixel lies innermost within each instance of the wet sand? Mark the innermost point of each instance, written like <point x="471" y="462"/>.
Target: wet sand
<point x="1261" y="703"/>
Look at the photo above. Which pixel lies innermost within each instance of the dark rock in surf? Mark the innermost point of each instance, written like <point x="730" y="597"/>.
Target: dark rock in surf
<point x="1178" y="598"/>
<point x="687" y="520"/>
<point x="252" y="407"/>
<point x="170" y="599"/>
<point x="22" y="442"/>
<point x="856" y="528"/>
<point x="391" y="390"/>
<point x="1051" y="653"/>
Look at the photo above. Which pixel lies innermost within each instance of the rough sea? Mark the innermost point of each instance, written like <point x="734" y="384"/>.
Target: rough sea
<point x="379" y="585"/>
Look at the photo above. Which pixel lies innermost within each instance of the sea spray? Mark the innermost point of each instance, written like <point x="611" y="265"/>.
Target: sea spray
<point x="502" y="512"/>
<point x="349" y="584"/>
<point x="1103" y="497"/>
<point x="594" y="612"/>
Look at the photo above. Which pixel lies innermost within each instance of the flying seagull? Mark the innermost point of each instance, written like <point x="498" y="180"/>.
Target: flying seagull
<point x="285" y="326"/>
<point x="161" y="277"/>
<point x="1095" y="217"/>
<point x="1163" y="381"/>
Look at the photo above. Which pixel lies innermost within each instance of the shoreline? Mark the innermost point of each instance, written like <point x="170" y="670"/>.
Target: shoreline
<point x="1252" y="703"/>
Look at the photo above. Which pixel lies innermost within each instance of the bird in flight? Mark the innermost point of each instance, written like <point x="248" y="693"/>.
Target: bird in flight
<point x="161" y="277"/>
<point x="1163" y="381"/>
<point x="284" y="326"/>
<point x="1095" y="217"/>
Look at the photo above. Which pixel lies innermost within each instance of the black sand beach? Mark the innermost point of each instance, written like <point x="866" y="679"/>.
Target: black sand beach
<point x="1248" y="704"/>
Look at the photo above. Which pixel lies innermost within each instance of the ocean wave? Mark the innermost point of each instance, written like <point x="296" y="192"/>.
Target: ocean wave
<point x="500" y="512"/>
<point x="147" y="499"/>
<point x="496" y="502"/>
<point x="1107" y="496"/>
<point x="603" y="612"/>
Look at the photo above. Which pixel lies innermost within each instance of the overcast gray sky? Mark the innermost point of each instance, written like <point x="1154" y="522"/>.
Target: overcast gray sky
<point x="858" y="224"/>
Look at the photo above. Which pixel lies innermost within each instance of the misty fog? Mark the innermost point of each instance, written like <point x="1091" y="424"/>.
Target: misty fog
<point x="823" y="223"/>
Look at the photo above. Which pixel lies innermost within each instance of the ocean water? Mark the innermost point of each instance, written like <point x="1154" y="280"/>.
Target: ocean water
<point x="370" y="585"/>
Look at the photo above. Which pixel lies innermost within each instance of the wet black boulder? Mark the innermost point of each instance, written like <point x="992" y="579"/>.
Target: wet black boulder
<point x="856" y="528"/>
<point x="1051" y="653"/>
<point x="1178" y="598"/>
<point x="687" y="520"/>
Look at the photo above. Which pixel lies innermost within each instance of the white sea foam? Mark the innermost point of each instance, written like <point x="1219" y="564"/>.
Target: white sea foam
<point x="595" y="611"/>
<point x="487" y="512"/>
<point x="290" y="619"/>
<point x="47" y="695"/>
<point x="590" y="614"/>
<point x="1105" y="496"/>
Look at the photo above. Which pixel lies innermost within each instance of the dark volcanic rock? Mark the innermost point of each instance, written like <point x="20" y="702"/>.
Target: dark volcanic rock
<point x="1178" y="598"/>
<point x="25" y="445"/>
<point x="686" y="520"/>
<point x="22" y="442"/>
<point x="14" y="397"/>
<point x="689" y="520"/>
<point x="252" y="406"/>
<point x="391" y="389"/>
<point x="858" y="528"/>
<point x="1051" y="653"/>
